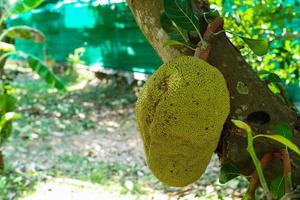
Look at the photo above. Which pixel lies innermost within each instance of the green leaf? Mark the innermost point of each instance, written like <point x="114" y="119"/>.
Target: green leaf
<point x="247" y="197"/>
<point x="4" y="57"/>
<point x="25" y="33"/>
<point x="242" y="125"/>
<point x="166" y="23"/>
<point x="228" y="172"/>
<point x="181" y="13"/>
<point x="22" y="6"/>
<point x="284" y="130"/>
<point x="296" y="72"/>
<point x="175" y="42"/>
<point x="37" y="66"/>
<point x="7" y="103"/>
<point x="274" y="88"/>
<point x="180" y="36"/>
<point x="259" y="46"/>
<point x="6" y="125"/>
<point x="281" y="140"/>
<point x="277" y="187"/>
<point x="10" y="116"/>
<point x="250" y="149"/>
<point x="256" y="162"/>
<point x="274" y="78"/>
<point x="5" y="131"/>
<point x="263" y="72"/>
<point x="172" y="29"/>
<point x="7" y="47"/>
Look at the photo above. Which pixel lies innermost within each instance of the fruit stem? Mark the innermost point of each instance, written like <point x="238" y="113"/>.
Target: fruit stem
<point x="204" y="47"/>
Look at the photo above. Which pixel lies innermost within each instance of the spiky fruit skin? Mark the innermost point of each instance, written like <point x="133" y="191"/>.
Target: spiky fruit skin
<point x="180" y="115"/>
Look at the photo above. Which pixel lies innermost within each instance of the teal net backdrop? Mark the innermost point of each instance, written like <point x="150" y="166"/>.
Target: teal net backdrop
<point x="106" y="29"/>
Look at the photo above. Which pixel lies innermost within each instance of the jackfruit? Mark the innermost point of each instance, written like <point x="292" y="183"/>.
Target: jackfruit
<point x="180" y="115"/>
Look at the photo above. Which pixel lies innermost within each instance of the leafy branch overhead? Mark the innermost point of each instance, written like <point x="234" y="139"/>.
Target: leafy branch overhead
<point x="179" y="21"/>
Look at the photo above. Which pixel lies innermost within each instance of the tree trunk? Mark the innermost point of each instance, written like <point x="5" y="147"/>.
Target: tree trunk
<point x="1" y="160"/>
<point x="251" y="100"/>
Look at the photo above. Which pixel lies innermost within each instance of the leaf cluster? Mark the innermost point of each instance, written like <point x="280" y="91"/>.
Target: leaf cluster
<point x="182" y="25"/>
<point x="7" y="101"/>
<point x="276" y="20"/>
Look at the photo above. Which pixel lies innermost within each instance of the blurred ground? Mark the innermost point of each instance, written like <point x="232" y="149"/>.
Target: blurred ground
<point x="84" y="145"/>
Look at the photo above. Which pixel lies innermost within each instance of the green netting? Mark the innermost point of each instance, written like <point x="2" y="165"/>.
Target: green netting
<point x="106" y="29"/>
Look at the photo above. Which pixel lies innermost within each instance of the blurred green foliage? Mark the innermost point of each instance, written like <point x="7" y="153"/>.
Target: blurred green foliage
<point x="276" y="20"/>
<point x="14" y="184"/>
<point x="7" y="49"/>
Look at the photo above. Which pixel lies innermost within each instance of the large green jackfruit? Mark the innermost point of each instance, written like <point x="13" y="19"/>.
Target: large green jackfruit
<point x="180" y="115"/>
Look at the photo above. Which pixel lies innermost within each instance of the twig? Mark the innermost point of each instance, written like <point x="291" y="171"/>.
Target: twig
<point x="255" y="180"/>
<point x="281" y="153"/>
<point x="202" y="50"/>
<point x="286" y="169"/>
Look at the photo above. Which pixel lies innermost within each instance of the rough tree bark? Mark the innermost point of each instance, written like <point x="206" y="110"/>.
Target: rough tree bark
<point x="251" y="100"/>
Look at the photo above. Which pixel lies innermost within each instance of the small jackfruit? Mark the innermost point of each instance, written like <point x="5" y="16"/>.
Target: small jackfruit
<point x="180" y="115"/>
